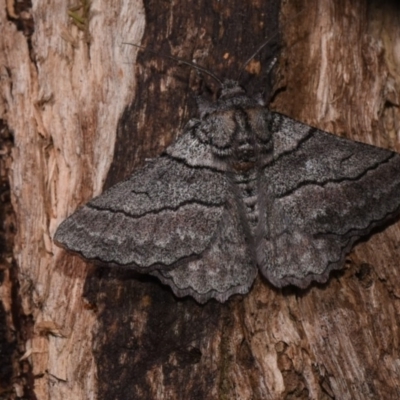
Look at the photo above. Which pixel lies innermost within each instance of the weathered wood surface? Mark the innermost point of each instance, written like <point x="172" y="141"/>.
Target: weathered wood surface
<point x="83" y="113"/>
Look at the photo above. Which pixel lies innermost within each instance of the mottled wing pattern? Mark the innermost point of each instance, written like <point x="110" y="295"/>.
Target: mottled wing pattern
<point x="179" y="222"/>
<point x="164" y="213"/>
<point x="323" y="193"/>
<point x="225" y="268"/>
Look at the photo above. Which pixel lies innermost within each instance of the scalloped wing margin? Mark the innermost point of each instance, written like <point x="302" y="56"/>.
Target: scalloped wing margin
<point x="323" y="195"/>
<point x="164" y="213"/>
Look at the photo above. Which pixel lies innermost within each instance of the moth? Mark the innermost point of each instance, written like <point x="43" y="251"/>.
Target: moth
<point x="242" y="190"/>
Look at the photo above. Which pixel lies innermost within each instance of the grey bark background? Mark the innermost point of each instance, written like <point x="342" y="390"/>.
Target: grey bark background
<point x="80" y="111"/>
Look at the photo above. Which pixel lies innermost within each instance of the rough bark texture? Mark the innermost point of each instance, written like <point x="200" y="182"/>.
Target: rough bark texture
<point x="80" y="113"/>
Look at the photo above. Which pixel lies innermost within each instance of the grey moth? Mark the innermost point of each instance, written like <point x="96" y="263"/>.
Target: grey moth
<point x="243" y="190"/>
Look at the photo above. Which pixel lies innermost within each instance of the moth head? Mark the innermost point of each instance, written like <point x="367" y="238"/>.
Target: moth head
<point x="231" y="93"/>
<point x="231" y="89"/>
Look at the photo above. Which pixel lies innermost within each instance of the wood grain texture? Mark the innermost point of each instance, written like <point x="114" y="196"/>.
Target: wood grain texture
<point x="61" y="98"/>
<point x="74" y="110"/>
<point x="346" y="83"/>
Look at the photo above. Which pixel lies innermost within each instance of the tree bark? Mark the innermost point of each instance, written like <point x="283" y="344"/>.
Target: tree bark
<point x="81" y="110"/>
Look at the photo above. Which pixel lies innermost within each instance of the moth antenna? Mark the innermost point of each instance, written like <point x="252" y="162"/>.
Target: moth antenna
<point x="255" y="53"/>
<point x="180" y="60"/>
<point x="261" y="47"/>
